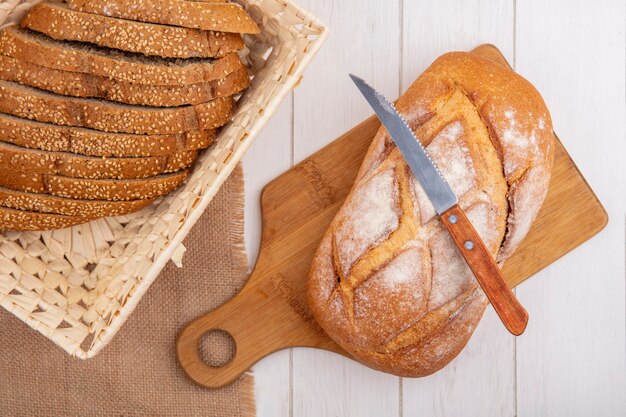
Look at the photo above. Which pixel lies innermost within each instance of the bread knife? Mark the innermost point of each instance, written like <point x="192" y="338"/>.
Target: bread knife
<point x="444" y="200"/>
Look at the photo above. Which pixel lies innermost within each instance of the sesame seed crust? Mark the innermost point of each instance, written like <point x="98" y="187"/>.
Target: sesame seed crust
<point x="93" y="86"/>
<point x="35" y="104"/>
<point x="117" y="65"/>
<point x="89" y="209"/>
<point x="11" y="219"/>
<point x="49" y="137"/>
<point x="59" y="22"/>
<point x="106" y="104"/>
<point x="14" y="158"/>
<point x="93" y="189"/>
<point x="219" y="16"/>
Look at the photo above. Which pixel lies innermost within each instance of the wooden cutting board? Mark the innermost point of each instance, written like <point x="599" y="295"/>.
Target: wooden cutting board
<point x="270" y="313"/>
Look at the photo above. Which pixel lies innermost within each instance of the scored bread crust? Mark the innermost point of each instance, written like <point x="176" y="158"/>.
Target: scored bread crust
<point x="14" y="157"/>
<point x="48" y="137"/>
<point x="387" y="282"/>
<point x="219" y="16"/>
<point x="78" y="84"/>
<point x="31" y="103"/>
<point x="117" y="65"/>
<point x="126" y="35"/>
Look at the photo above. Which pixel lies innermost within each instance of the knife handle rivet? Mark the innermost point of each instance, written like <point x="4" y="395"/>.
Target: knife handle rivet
<point x="453" y="219"/>
<point x="469" y="245"/>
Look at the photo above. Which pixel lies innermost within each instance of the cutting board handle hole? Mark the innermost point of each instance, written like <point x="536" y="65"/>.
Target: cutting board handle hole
<point x="217" y="348"/>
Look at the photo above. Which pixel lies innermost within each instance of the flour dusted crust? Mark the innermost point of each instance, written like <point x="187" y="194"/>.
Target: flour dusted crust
<point x="387" y="282"/>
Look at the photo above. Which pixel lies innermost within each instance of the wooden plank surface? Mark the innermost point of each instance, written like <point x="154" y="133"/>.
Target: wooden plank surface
<point x="488" y="378"/>
<point x="360" y="41"/>
<point x="572" y="362"/>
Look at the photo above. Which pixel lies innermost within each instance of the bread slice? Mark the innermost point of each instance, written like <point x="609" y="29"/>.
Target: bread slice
<point x="90" y="209"/>
<point x="220" y="16"/>
<point x="31" y="103"/>
<point x="15" y="158"/>
<point x="86" y="85"/>
<point x="49" y="137"/>
<point x="59" y="22"/>
<point x="11" y="219"/>
<point x="117" y="65"/>
<point x="93" y="189"/>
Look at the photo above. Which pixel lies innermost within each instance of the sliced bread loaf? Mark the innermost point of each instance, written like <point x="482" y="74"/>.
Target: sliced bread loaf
<point x="11" y="219"/>
<point x="49" y="137"/>
<point x="46" y="203"/>
<point x="62" y="23"/>
<point x="220" y="16"/>
<point x="15" y="158"/>
<point x="87" y="85"/>
<point x="122" y="66"/>
<point x="31" y="103"/>
<point x="90" y="189"/>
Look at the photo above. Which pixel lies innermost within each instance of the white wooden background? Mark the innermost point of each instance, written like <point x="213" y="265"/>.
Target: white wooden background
<point x="571" y="360"/>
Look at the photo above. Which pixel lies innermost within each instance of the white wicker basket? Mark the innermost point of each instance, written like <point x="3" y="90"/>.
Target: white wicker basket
<point x="78" y="285"/>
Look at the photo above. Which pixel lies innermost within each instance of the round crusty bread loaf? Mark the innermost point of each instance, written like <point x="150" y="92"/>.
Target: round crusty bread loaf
<point x="387" y="282"/>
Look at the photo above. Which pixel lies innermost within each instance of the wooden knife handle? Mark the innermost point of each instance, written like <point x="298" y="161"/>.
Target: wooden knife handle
<point x="486" y="271"/>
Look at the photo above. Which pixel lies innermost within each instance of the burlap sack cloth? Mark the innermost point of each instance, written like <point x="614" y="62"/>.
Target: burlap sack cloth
<point x="137" y="373"/>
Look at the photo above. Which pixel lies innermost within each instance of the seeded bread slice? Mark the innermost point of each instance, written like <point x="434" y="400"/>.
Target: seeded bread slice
<point x="59" y="22"/>
<point x="117" y="65"/>
<point x="49" y="137"/>
<point x="11" y="219"/>
<point x="220" y="16"/>
<point x="90" y="189"/>
<point x="87" y="85"/>
<point x="15" y="158"/>
<point x="90" y="209"/>
<point x="27" y="102"/>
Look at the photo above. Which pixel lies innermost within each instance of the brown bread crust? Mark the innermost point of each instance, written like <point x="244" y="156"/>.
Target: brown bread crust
<point x="49" y="137"/>
<point x="219" y="16"/>
<point x="387" y="283"/>
<point x="93" y="189"/>
<point x="88" y="209"/>
<point x="14" y="157"/>
<point x="61" y="23"/>
<point x="87" y="131"/>
<point x="11" y="219"/>
<point x="117" y="65"/>
<point x="78" y="84"/>
<point x="31" y="103"/>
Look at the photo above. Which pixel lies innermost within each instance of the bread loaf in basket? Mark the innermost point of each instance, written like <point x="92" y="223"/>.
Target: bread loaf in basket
<point x="387" y="282"/>
<point x="103" y="78"/>
<point x="77" y="306"/>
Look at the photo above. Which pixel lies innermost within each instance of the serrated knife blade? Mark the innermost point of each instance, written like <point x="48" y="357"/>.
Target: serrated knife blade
<point x="425" y="170"/>
<point x="478" y="258"/>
